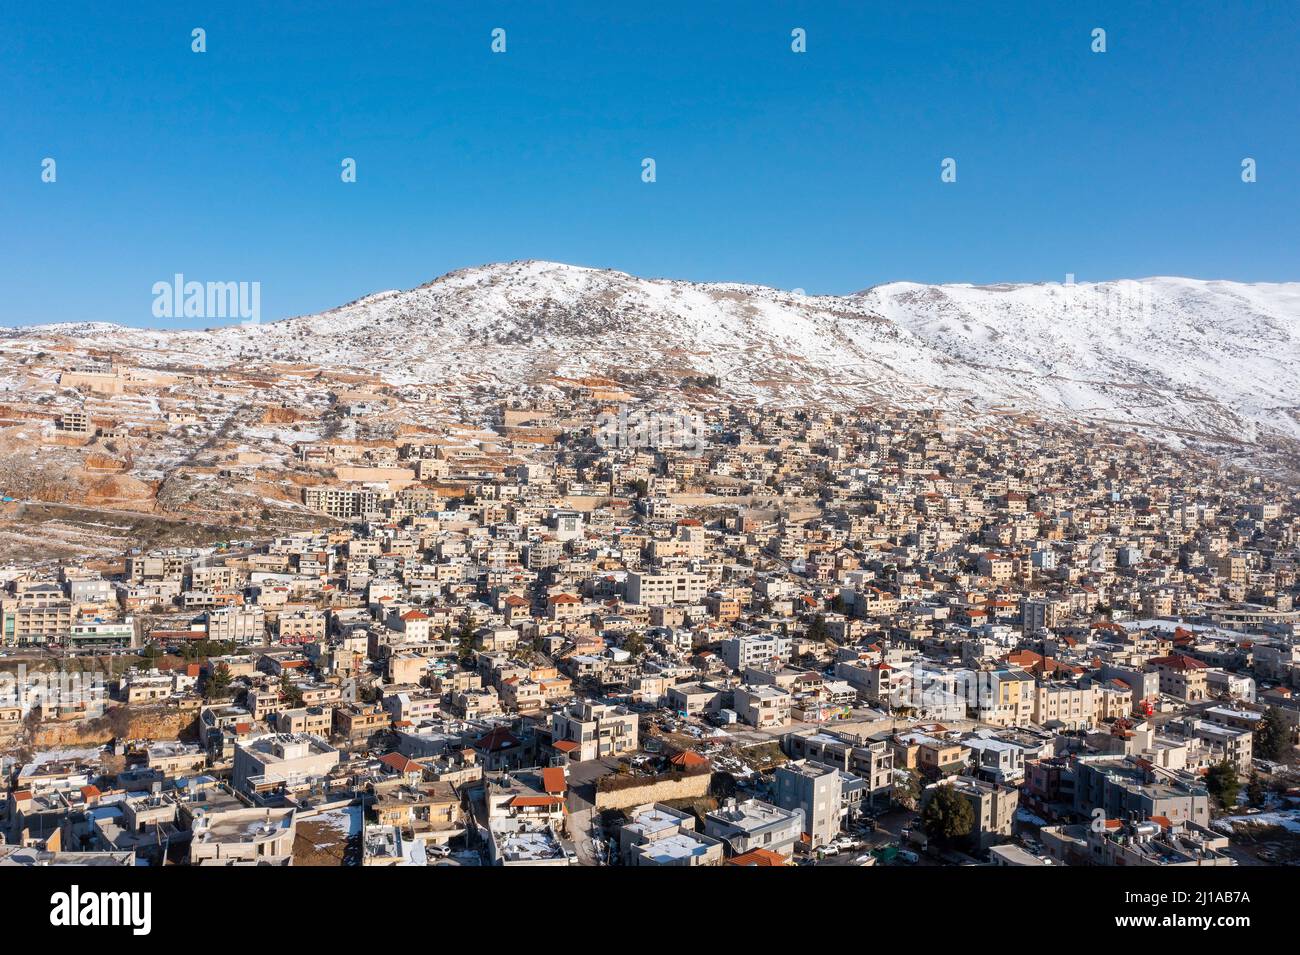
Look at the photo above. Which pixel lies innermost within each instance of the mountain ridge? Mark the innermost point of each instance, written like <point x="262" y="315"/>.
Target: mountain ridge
<point x="1208" y="357"/>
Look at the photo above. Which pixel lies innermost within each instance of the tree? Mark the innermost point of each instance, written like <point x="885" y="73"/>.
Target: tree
<point x="1273" y="738"/>
<point x="218" y="682"/>
<point x="634" y="643"/>
<point x="465" y="639"/>
<point x="1255" y="792"/>
<point x="291" y="693"/>
<point x="907" y="789"/>
<point x="817" y="629"/>
<point x="1222" y="782"/>
<point x="948" y="818"/>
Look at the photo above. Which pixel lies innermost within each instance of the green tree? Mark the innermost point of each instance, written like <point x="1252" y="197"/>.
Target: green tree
<point x="634" y="643"/>
<point x="465" y="639"/>
<point x="1273" y="738"/>
<point x="817" y="629"/>
<point x="1255" y="791"/>
<point x="907" y="789"/>
<point x="218" y="682"/>
<point x="1222" y="782"/>
<point x="291" y="693"/>
<point x="948" y="818"/>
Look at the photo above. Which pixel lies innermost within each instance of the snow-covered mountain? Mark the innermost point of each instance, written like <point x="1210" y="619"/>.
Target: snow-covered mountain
<point x="1178" y="356"/>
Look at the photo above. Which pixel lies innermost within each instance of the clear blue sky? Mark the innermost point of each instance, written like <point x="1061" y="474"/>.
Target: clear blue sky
<point x="818" y="171"/>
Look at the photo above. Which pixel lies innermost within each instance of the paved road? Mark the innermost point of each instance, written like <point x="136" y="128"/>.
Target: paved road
<point x="582" y="807"/>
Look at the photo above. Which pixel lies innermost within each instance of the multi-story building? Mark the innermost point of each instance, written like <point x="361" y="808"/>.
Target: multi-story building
<point x="994" y="807"/>
<point x="825" y="796"/>
<point x="657" y="835"/>
<point x="666" y="588"/>
<point x="751" y="824"/>
<point x="280" y="760"/>
<point x="872" y="760"/>
<point x="587" y="730"/>
<point x="757" y="652"/>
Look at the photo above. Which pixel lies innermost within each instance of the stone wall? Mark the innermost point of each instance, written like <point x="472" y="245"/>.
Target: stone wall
<point x="624" y="792"/>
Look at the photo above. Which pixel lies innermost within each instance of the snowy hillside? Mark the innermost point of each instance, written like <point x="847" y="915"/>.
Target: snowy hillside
<point x="1176" y="355"/>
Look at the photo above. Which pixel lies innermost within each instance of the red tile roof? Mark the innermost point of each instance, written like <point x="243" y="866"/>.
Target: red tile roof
<point x="401" y="764"/>
<point x="553" y="779"/>
<point x="689" y="759"/>
<point x="759" y="857"/>
<point x="536" y="801"/>
<point x="1179" y="661"/>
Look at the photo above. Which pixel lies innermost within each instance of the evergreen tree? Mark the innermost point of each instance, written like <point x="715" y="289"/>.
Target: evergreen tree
<point x="948" y="818"/>
<point x="218" y="682"/>
<point x="1255" y="791"/>
<point x="1223" y="784"/>
<point x="1273" y="738"/>
<point x="465" y="639"/>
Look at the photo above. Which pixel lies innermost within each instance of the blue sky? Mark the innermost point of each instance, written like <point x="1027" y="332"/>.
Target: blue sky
<point x="817" y="170"/>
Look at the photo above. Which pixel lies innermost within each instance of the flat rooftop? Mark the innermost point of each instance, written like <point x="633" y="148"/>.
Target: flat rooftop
<point x="675" y="847"/>
<point x="654" y="821"/>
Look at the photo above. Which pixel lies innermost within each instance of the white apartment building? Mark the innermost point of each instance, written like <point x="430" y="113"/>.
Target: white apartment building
<point x="759" y="652"/>
<point x="666" y="588"/>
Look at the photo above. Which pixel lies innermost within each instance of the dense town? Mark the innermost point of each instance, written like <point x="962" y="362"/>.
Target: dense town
<point x="690" y="634"/>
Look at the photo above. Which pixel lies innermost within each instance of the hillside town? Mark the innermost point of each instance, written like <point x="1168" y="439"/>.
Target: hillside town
<point x="623" y="626"/>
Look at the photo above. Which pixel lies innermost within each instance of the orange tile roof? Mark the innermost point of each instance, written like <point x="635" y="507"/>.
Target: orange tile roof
<point x="553" y="779"/>
<point x="689" y="758"/>
<point x="759" y="857"/>
<point x="536" y="801"/>
<point x="401" y="764"/>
